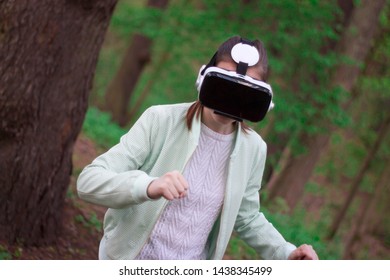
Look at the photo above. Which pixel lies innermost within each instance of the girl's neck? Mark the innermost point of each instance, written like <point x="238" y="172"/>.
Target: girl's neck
<point x="218" y="123"/>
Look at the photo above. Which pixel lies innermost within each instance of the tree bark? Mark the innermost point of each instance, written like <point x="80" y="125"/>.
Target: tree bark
<point x="119" y="91"/>
<point x="358" y="179"/>
<point x="48" y="54"/>
<point x="369" y="214"/>
<point x="355" y="43"/>
<point x="122" y="86"/>
<point x="290" y="183"/>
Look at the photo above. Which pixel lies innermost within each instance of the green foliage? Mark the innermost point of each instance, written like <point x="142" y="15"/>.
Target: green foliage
<point x="99" y="127"/>
<point x="297" y="230"/>
<point x="294" y="229"/>
<point x="187" y="33"/>
<point x="239" y="250"/>
<point x="5" y="254"/>
<point x="70" y="193"/>
<point x="108" y="61"/>
<point x="92" y="223"/>
<point x="297" y="35"/>
<point x="314" y="188"/>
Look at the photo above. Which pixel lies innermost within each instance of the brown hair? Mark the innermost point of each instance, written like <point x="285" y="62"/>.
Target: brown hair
<point x="224" y="54"/>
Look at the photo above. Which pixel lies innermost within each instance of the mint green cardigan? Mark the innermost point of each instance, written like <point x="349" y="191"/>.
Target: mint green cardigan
<point x="160" y="142"/>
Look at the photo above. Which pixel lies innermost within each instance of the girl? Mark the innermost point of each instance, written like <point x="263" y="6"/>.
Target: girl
<point x="184" y="177"/>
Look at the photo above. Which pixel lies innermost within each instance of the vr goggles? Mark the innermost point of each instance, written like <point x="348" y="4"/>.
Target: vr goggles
<point x="233" y="93"/>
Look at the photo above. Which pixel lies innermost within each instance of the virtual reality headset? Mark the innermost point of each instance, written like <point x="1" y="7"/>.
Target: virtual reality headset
<point x="233" y="93"/>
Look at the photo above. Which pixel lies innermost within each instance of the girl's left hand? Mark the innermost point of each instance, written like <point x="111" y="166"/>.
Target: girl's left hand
<point x="303" y="252"/>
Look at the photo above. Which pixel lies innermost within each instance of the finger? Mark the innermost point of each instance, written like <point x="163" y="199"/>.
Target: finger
<point x="179" y="181"/>
<point x="172" y="178"/>
<point x="183" y="181"/>
<point x="167" y="194"/>
<point x="313" y="256"/>
<point x="183" y="194"/>
<point x="173" y="190"/>
<point x="296" y="255"/>
<point x="177" y="184"/>
<point x="308" y="252"/>
<point x="167" y="191"/>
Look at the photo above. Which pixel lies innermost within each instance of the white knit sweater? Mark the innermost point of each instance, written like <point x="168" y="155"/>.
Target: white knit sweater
<point x="183" y="228"/>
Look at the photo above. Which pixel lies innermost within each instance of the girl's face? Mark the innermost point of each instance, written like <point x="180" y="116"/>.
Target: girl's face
<point x="219" y="123"/>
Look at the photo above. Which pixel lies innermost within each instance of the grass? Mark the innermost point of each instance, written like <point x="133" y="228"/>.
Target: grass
<point x="295" y="230"/>
<point x="92" y="223"/>
<point x="99" y="127"/>
<point x="4" y="253"/>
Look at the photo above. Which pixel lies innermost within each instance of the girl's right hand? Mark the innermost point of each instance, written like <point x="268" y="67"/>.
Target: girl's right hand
<point x="170" y="186"/>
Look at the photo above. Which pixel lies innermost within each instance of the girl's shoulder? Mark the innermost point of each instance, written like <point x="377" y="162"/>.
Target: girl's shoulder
<point x="168" y="110"/>
<point x="170" y="107"/>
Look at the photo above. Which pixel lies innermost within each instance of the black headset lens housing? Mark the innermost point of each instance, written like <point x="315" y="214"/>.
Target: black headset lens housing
<point x="235" y="97"/>
<point x="233" y="93"/>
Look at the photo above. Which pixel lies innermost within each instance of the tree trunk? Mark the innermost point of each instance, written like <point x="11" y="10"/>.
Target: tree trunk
<point x="119" y="91"/>
<point x="147" y="88"/>
<point x="368" y="214"/>
<point x="48" y="54"/>
<point x="277" y="183"/>
<point x="355" y="43"/>
<point x="358" y="179"/>
<point x="122" y="86"/>
<point x="290" y="183"/>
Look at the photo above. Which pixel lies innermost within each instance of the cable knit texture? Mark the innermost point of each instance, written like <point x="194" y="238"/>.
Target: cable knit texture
<point x="183" y="228"/>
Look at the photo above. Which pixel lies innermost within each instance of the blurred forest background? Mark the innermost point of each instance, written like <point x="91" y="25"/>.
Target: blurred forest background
<point x="76" y="74"/>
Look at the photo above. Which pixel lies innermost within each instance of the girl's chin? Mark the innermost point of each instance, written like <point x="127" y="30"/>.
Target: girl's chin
<point x="222" y="120"/>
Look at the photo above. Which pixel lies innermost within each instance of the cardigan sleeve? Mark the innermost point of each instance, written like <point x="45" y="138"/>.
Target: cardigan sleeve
<point x="252" y="225"/>
<point x="113" y="179"/>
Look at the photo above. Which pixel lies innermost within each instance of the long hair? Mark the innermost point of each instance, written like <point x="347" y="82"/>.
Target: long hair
<point x="224" y="54"/>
